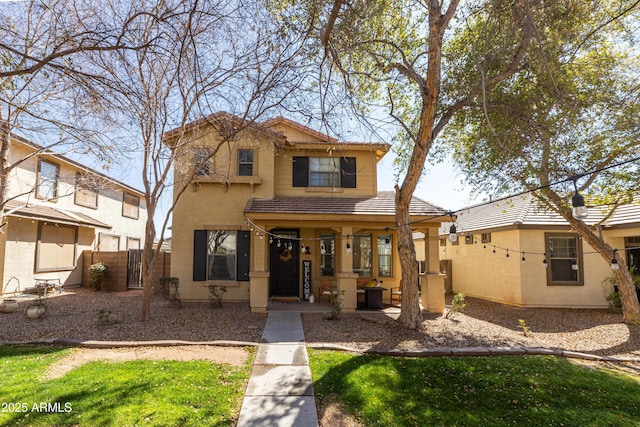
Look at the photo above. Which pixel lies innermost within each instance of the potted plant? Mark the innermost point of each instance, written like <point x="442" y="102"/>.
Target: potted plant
<point x="97" y="273"/>
<point x="8" y="306"/>
<point x="37" y="309"/>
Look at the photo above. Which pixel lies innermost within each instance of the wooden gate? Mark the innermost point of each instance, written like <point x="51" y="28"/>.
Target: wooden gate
<point x="134" y="268"/>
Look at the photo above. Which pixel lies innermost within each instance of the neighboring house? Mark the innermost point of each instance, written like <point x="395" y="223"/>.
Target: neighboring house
<point x="487" y="258"/>
<point x="282" y="208"/>
<point x="57" y="208"/>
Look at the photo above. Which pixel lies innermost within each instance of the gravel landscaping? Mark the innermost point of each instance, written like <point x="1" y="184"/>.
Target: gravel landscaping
<point x="84" y="314"/>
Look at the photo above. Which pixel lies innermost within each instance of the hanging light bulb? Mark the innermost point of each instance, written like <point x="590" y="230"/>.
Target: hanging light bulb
<point x="270" y="239"/>
<point x="523" y="260"/>
<point x="494" y="250"/>
<point x="349" y="248"/>
<point x="545" y="264"/>
<point x="574" y="265"/>
<point x="453" y="237"/>
<point x="290" y="246"/>
<point x="323" y="250"/>
<point x="278" y="244"/>
<point x="507" y="253"/>
<point x="579" y="210"/>
<point x="614" y="261"/>
<point x="261" y="236"/>
<point x="387" y="242"/>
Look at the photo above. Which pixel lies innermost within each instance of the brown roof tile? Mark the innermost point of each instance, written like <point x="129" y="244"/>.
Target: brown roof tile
<point x="382" y="204"/>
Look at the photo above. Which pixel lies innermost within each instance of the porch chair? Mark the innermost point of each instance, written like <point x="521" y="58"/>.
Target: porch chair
<point x="396" y="294"/>
<point x="326" y="289"/>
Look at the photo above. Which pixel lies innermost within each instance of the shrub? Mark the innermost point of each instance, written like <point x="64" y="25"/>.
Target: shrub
<point x="171" y="289"/>
<point x="215" y="295"/>
<point x="457" y="305"/>
<point x="97" y="273"/>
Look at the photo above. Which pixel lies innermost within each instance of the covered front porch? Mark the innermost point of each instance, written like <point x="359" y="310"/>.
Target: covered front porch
<point x="297" y="250"/>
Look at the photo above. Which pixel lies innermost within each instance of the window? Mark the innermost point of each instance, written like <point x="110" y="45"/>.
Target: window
<point x="133" y="243"/>
<point x="362" y="255"/>
<point x="108" y="242"/>
<point x="47" y="186"/>
<point x="385" y="249"/>
<point x="485" y="237"/>
<point x="56" y="249"/>
<point x="327" y="254"/>
<point x="201" y="161"/>
<point x="564" y="259"/>
<point x="468" y="239"/>
<point x="84" y="196"/>
<point x="221" y="255"/>
<point x="323" y="172"/>
<point x="130" y="205"/>
<point x="245" y="162"/>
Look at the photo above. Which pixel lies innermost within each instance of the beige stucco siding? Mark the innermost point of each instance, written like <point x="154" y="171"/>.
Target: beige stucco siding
<point x="365" y="174"/>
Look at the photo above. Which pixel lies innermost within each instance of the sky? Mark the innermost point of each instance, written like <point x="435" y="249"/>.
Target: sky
<point x="441" y="185"/>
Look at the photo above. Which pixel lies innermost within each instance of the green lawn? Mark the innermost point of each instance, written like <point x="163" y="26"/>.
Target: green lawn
<point x="483" y="391"/>
<point x="163" y="393"/>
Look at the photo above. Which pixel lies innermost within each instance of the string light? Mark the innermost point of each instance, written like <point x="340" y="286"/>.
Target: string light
<point x="523" y="258"/>
<point x="574" y="264"/>
<point x="579" y="210"/>
<point x="614" y="261"/>
<point x="453" y="237"/>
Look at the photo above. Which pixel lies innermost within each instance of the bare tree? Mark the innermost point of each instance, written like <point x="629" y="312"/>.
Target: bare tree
<point x="40" y="43"/>
<point x="198" y="58"/>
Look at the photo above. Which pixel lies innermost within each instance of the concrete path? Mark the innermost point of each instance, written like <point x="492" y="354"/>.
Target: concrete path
<point x="280" y="391"/>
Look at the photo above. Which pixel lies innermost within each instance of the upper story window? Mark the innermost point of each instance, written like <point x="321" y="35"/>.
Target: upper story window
<point x="324" y="172"/>
<point x="564" y="259"/>
<point x="201" y="161"/>
<point x="245" y="162"/>
<point x="84" y="195"/>
<point x="130" y="206"/>
<point x="47" y="184"/>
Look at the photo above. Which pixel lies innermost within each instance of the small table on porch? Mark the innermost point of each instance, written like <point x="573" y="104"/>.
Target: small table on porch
<point x="373" y="297"/>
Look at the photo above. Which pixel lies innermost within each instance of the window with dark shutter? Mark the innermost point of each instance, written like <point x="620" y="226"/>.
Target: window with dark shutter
<point x="199" y="255"/>
<point x="300" y="171"/>
<point x="348" y="172"/>
<point x="244" y="246"/>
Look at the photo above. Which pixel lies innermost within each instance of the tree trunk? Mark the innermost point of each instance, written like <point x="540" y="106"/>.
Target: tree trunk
<point x="149" y="257"/>
<point x="410" y="316"/>
<point x="628" y="295"/>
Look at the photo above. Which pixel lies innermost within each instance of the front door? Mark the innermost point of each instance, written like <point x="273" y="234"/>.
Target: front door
<point x="284" y="264"/>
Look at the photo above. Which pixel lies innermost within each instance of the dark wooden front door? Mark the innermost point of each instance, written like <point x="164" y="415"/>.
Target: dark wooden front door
<point x="285" y="264"/>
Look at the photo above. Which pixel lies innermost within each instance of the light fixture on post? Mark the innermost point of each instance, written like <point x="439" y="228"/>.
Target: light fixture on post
<point x="614" y="261"/>
<point x="579" y="210"/>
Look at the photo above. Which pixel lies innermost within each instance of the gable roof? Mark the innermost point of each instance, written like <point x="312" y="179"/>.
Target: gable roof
<point x="48" y="152"/>
<point x="381" y="205"/>
<point x="526" y="210"/>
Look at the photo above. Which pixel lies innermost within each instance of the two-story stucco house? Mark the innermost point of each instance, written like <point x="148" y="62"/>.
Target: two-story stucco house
<point x="56" y="208"/>
<point x="282" y="208"/>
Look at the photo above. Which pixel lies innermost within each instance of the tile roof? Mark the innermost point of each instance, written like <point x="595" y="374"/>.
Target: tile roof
<point x="382" y="204"/>
<point x="48" y="213"/>
<point x="526" y="210"/>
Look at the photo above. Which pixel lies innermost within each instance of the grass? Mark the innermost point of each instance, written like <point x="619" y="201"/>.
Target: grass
<point x="140" y="392"/>
<point x="496" y="391"/>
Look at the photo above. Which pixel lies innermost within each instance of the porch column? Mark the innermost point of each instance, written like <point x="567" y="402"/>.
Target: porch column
<point x="433" y="287"/>
<point x="259" y="276"/>
<point x="346" y="277"/>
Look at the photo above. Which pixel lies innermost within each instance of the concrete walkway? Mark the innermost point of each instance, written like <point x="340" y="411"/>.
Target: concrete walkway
<point x="280" y="390"/>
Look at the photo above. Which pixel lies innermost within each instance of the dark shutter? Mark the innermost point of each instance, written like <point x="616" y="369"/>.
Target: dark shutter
<point x="300" y="171"/>
<point x="199" y="255"/>
<point x="243" y="251"/>
<point x="348" y="172"/>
